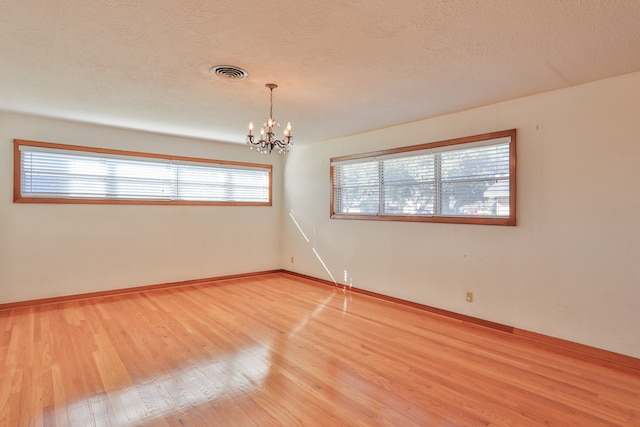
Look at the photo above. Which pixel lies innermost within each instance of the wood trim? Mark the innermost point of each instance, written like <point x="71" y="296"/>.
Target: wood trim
<point x="425" y="146"/>
<point x="436" y="219"/>
<point x="585" y="352"/>
<point x="581" y="351"/>
<point x="134" y="289"/>
<point x="132" y="202"/>
<point x="439" y="311"/>
<point x="16" y="171"/>
<point x="136" y="153"/>
<point x="17" y="198"/>
<point x="513" y="181"/>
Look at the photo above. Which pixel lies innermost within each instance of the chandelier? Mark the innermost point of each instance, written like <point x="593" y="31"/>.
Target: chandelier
<point x="267" y="143"/>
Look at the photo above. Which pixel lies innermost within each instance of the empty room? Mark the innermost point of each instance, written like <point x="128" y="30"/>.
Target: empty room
<point x="339" y="213"/>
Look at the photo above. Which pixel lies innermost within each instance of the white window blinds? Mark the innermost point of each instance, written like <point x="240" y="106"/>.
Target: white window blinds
<point x="459" y="180"/>
<point x="73" y="174"/>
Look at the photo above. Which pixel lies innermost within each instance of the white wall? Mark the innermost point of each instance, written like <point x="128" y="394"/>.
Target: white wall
<point x="52" y="250"/>
<point x="569" y="269"/>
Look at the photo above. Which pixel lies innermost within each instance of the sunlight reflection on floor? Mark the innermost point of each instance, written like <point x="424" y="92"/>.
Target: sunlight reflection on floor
<point x="240" y="372"/>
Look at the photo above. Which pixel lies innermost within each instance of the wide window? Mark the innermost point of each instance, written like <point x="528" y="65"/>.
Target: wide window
<point x="55" y="173"/>
<point x="467" y="180"/>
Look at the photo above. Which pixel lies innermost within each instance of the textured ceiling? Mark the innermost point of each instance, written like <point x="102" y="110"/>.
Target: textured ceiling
<point x="342" y="66"/>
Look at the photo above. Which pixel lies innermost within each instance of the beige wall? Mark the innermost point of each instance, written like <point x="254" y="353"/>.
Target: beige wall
<point x="569" y="269"/>
<point x="52" y="250"/>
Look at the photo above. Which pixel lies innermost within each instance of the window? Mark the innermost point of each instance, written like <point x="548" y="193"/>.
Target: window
<point x="467" y="180"/>
<point x="55" y="173"/>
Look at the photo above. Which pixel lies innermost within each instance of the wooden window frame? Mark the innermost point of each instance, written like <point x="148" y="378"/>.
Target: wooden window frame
<point x="505" y="221"/>
<point x="18" y="198"/>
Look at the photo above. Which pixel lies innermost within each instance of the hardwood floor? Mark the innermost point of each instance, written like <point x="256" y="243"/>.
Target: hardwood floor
<point x="275" y="350"/>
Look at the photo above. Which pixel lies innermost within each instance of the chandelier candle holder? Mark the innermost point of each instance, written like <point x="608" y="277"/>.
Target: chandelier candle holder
<point x="267" y="141"/>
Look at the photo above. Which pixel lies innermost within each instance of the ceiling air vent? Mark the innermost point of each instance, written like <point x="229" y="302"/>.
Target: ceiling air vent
<point x="229" y="72"/>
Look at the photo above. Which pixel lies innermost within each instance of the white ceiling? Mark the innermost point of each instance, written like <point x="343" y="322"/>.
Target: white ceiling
<point x="342" y="66"/>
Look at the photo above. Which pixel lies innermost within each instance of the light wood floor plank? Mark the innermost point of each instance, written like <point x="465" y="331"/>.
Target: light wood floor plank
<point x="275" y="350"/>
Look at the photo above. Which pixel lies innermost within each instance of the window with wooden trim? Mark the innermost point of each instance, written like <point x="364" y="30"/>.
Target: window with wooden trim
<point x="56" y="173"/>
<point x="469" y="180"/>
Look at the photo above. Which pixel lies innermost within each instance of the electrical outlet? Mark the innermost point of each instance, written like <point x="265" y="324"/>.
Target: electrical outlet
<point x="469" y="296"/>
<point x="291" y="260"/>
